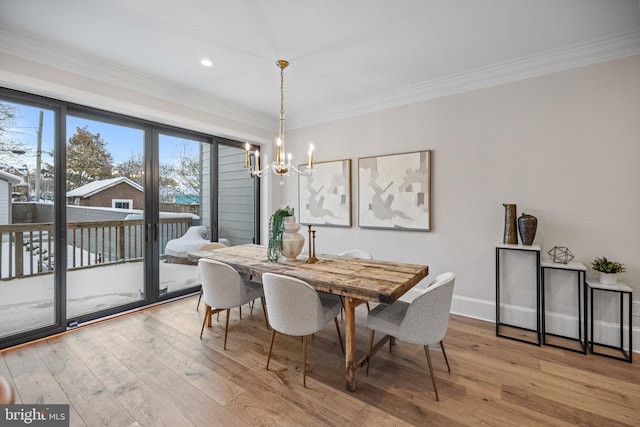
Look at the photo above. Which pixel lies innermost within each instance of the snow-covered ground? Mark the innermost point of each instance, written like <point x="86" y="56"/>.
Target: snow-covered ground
<point x="33" y="258"/>
<point x="27" y="303"/>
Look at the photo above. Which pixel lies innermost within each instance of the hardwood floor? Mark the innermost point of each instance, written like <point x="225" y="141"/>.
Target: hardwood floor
<point x="150" y="369"/>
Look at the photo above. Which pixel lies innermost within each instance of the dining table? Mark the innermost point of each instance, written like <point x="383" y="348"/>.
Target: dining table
<point x="356" y="280"/>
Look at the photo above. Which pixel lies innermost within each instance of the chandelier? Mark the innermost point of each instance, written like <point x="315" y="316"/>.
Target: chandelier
<point x="282" y="164"/>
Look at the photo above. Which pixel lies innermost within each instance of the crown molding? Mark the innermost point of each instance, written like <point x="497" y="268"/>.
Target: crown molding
<point x="46" y="53"/>
<point x="577" y="55"/>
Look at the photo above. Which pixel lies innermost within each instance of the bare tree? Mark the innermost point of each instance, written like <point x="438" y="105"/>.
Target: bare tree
<point x="188" y="169"/>
<point x="133" y="168"/>
<point x="182" y="175"/>
<point x="9" y="146"/>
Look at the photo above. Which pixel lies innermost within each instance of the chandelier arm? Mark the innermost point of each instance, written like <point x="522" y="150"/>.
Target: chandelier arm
<point x="261" y="172"/>
<point x="305" y="172"/>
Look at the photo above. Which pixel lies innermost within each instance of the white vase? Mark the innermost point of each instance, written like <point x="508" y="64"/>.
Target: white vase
<point x="608" y="278"/>
<point x="292" y="241"/>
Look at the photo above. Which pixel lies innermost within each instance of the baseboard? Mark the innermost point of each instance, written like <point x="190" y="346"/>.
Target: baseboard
<point x="557" y="323"/>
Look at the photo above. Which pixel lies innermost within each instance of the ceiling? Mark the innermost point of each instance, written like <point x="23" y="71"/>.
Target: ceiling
<point x="347" y="56"/>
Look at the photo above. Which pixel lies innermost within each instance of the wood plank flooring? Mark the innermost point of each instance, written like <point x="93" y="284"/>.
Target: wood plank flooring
<point x="150" y="368"/>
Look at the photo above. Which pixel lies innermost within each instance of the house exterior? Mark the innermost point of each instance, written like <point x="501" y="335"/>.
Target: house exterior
<point x="119" y="193"/>
<point x="7" y="181"/>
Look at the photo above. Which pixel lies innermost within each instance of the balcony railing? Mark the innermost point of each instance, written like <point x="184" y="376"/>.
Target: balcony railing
<point x="28" y="249"/>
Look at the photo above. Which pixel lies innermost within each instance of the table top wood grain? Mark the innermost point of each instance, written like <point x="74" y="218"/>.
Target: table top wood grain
<point x="362" y="279"/>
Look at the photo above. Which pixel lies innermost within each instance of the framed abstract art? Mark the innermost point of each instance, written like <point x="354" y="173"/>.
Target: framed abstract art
<point x="324" y="197"/>
<point x="394" y="191"/>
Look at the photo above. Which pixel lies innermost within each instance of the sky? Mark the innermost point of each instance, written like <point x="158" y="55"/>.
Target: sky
<point x="122" y="142"/>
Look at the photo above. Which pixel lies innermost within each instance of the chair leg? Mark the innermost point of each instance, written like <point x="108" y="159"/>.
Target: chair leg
<point x="339" y="334"/>
<point x="273" y="336"/>
<point x="445" y="355"/>
<point x="264" y="311"/>
<point x="368" y="308"/>
<point x="433" y="378"/>
<point x="240" y="307"/>
<point x="373" y="334"/>
<point x="304" y="361"/>
<point x="207" y="315"/>
<point x="226" y="329"/>
<point x="199" y="298"/>
<point x="342" y="307"/>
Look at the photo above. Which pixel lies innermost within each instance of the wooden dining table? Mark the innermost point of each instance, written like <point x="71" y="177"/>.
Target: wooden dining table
<point x="357" y="280"/>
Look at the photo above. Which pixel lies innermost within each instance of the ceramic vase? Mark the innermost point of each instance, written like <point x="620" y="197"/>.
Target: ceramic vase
<point x="527" y="226"/>
<point x="292" y="241"/>
<point x="608" y="278"/>
<point x="510" y="236"/>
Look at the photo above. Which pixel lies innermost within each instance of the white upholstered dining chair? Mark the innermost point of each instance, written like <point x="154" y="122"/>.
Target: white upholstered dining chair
<point x="356" y="253"/>
<point x="223" y="289"/>
<point x="296" y="309"/>
<point x="7" y="395"/>
<point x="209" y="246"/>
<point x="212" y="246"/>
<point x="424" y="321"/>
<point x="418" y="289"/>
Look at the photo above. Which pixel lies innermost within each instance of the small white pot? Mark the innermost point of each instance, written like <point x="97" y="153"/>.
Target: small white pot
<point x="608" y="278"/>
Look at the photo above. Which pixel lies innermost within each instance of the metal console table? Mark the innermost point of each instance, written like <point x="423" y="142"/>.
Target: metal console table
<point x="622" y="289"/>
<point x="499" y="323"/>
<point x="580" y="271"/>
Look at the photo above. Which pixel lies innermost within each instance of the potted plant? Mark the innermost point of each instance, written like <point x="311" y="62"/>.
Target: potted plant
<point x="608" y="270"/>
<point x="276" y="227"/>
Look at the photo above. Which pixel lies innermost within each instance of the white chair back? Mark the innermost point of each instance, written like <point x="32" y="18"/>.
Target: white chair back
<point x="293" y="306"/>
<point x="356" y="253"/>
<point x="211" y="246"/>
<point x="222" y="286"/>
<point x="427" y="317"/>
<point x="7" y="394"/>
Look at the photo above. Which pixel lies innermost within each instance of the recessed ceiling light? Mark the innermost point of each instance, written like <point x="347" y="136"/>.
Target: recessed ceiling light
<point x="206" y="62"/>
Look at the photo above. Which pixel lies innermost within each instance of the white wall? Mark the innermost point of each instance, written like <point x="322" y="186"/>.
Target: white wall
<point x="564" y="147"/>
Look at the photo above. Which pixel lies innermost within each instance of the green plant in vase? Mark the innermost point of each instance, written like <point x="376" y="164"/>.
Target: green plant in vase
<point x="608" y="270"/>
<point x="276" y="228"/>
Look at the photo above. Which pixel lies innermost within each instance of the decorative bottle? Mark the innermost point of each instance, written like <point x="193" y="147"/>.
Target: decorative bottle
<point x="510" y="216"/>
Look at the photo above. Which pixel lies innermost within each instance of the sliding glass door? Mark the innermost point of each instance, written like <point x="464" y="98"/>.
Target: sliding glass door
<point x="105" y="193"/>
<point x="98" y="212"/>
<point x="237" y="201"/>
<point x="181" y="183"/>
<point x="28" y="258"/>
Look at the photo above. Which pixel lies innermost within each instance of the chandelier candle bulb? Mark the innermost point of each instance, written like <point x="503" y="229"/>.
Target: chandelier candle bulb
<point x="248" y="157"/>
<point x="257" y="160"/>
<point x="278" y="150"/>
<point x="310" y="156"/>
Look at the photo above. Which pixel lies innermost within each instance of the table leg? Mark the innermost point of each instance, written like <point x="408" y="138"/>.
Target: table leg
<point x="351" y="368"/>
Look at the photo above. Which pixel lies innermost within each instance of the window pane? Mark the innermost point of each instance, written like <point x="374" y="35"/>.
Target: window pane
<point x="236" y="198"/>
<point x="27" y="257"/>
<point x="181" y="227"/>
<point x="105" y="215"/>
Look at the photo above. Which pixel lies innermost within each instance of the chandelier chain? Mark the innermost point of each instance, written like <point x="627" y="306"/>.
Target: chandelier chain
<point x="282" y="165"/>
